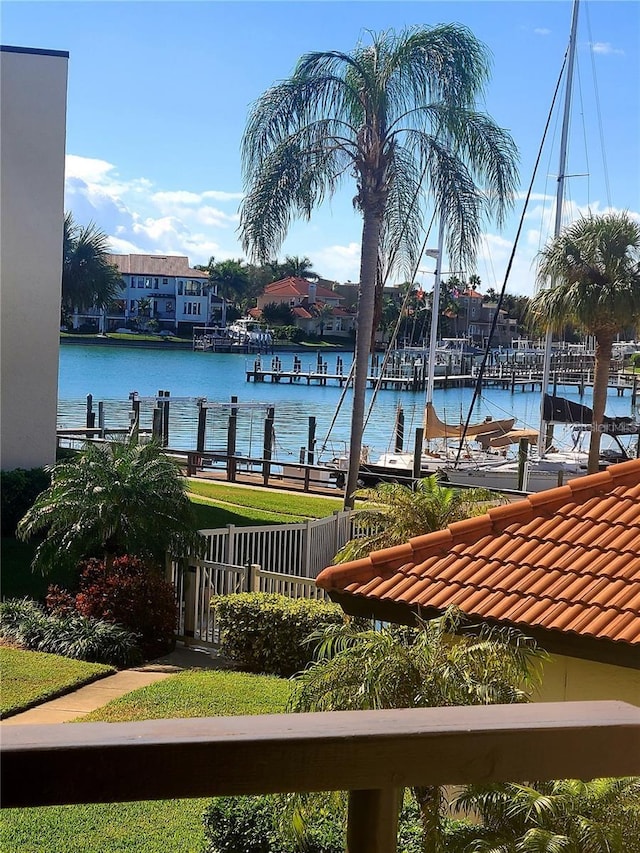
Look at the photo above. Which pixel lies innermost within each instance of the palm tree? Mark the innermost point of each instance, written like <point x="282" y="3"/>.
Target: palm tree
<point x="593" y="267"/>
<point x="398" y="115"/>
<point x="600" y="816"/>
<point x="113" y="499"/>
<point x="88" y="278"/>
<point x="358" y="670"/>
<point x="393" y="513"/>
<point x="297" y="267"/>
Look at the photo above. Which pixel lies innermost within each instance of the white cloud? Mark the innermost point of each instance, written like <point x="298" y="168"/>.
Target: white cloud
<point x="139" y="217"/>
<point x="339" y="263"/>
<point x="605" y="48"/>
<point x="542" y="31"/>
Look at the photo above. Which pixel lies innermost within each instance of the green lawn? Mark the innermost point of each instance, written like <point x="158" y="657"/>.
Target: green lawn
<point x="31" y="677"/>
<point x="170" y="826"/>
<point x="247" y="502"/>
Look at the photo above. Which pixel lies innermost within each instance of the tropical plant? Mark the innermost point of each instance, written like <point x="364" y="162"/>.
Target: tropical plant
<point x="399" y="115"/>
<point x="88" y="277"/>
<point x="231" y="278"/>
<point x="278" y="314"/>
<point x="294" y="266"/>
<point x="590" y="275"/>
<point x="392" y="513"/>
<point x="418" y="668"/>
<point x="128" y="594"/>
<point x="71" y="635"/>
<point x="112" y="499"/>
<point x="600" y="816"/>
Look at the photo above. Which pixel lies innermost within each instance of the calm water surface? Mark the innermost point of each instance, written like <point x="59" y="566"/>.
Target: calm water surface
<point x="110" y="374"/>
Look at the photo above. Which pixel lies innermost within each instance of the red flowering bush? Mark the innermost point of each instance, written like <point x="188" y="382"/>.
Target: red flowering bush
<point x="130" y="594"/>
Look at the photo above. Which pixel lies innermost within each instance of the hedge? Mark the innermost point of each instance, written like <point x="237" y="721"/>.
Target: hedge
<point x="266" y="633"/>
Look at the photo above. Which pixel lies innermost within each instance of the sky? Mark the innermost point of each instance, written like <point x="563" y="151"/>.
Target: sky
<point x="159" y="92"/>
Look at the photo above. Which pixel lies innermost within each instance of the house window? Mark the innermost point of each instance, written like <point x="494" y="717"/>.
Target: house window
<point x="188" y="308"/>
<point x="180" y="288"/>
<point x="169" y="307"/>
<point x="132" y="305"/>
<point x="140" y="283"/>
<point x="155" y="283"/>
<point x="165" y="282"/>
<point x="147" y="283"/>
<point x="196" y="305"/>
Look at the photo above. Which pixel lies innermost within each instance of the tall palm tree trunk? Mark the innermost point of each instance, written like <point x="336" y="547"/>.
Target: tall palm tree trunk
<point x="366" y="306"/>
<point x="604" y="347"/>
<point x="429" y="801"/>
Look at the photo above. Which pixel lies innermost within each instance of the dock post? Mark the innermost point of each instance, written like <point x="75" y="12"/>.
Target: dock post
<point x="101" y="418"/>
<point x="232" y="432"/>
<point x="91" y="415"/>
<point x="513" y="381"/>
<point x="202" y="424"/>
<point x="417" y="453"/>
<point x="165" y="419"/>
<point x="311" y="441"/>
<point x="634" y="391"/>
<point x="268" y="445"/>
<point x="399" y="430"/>
<point x="156" y="426"/>
<point x="135" y="416"/>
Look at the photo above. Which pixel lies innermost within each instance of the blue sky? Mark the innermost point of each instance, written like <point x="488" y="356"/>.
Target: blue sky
<point x="158" y="97"/>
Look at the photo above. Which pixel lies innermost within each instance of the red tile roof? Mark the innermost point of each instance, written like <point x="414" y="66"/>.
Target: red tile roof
<point x="564" y="560"/>
<point x="292" y="286"/>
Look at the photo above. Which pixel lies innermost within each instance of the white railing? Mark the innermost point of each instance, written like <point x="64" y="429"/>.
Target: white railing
<point x="281" y="559"/>
<point x="296" y="549"/>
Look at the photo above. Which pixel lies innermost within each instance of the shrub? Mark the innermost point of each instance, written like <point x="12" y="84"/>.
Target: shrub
<point x="250" y="825"/>
<point x="130" y="594"/>
<point x="288" y="333"/>
<point x="267" y="633"/>
<point x="20" y="488"/>
<point x="263" y="824"/>
<point x="634" y="359"/>
<point x="23" y="622"/>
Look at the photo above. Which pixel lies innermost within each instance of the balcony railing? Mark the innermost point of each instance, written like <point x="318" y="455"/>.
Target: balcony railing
<point x="371" y="754"/>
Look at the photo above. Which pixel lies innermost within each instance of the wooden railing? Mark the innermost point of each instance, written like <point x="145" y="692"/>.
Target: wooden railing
<point x="371" y="754"/>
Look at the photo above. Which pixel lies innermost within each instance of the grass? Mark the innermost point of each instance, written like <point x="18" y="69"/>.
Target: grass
<point x="169" y="826"/>
<point x="246" y="500"/>
<point x="31" y="677"/>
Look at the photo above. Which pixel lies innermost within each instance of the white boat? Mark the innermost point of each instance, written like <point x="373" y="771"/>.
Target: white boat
<point x="248" y="331"/>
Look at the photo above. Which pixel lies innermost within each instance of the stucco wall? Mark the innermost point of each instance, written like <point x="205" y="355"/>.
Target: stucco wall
<point x="33" y="95"/>
<point x="574" y="680"/>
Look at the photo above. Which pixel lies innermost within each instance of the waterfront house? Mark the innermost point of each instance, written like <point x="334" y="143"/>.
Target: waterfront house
<point x="563" y="566"/>
<point x="316" y="309"/>
<point x="163" y="288"/>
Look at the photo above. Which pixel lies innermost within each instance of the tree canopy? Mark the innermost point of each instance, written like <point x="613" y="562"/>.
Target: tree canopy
<point x="88" y="277"/>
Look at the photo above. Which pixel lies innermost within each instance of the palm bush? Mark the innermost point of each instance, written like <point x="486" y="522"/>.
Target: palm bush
<point x="600" y="816"/>
<point x="392" y="513"/>
<point x="113" y="499"/>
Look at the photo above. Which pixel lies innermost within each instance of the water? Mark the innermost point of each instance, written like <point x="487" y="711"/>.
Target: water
<point x="111" y="373"/>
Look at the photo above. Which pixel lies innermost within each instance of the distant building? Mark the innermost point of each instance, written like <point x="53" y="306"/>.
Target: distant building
<point x="475" y="318"/>
<point x="316" y="309"/>
<point x="163" y="288"/>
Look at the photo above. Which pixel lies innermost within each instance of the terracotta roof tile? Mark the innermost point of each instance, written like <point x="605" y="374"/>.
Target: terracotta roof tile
<point x="565" y="560"/>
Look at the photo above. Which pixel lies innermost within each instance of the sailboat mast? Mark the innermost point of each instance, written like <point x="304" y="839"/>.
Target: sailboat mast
<point x="435" y="310"/>
<point x="564" y="137"/>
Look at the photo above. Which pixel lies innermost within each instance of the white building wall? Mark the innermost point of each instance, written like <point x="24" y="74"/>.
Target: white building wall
<point x="33" y="95"/>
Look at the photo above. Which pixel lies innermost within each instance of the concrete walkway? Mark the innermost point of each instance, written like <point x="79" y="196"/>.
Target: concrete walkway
<point x="98" y="693"/>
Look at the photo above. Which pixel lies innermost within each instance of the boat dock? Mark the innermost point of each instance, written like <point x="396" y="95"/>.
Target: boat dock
<point x="506" y="377"/>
